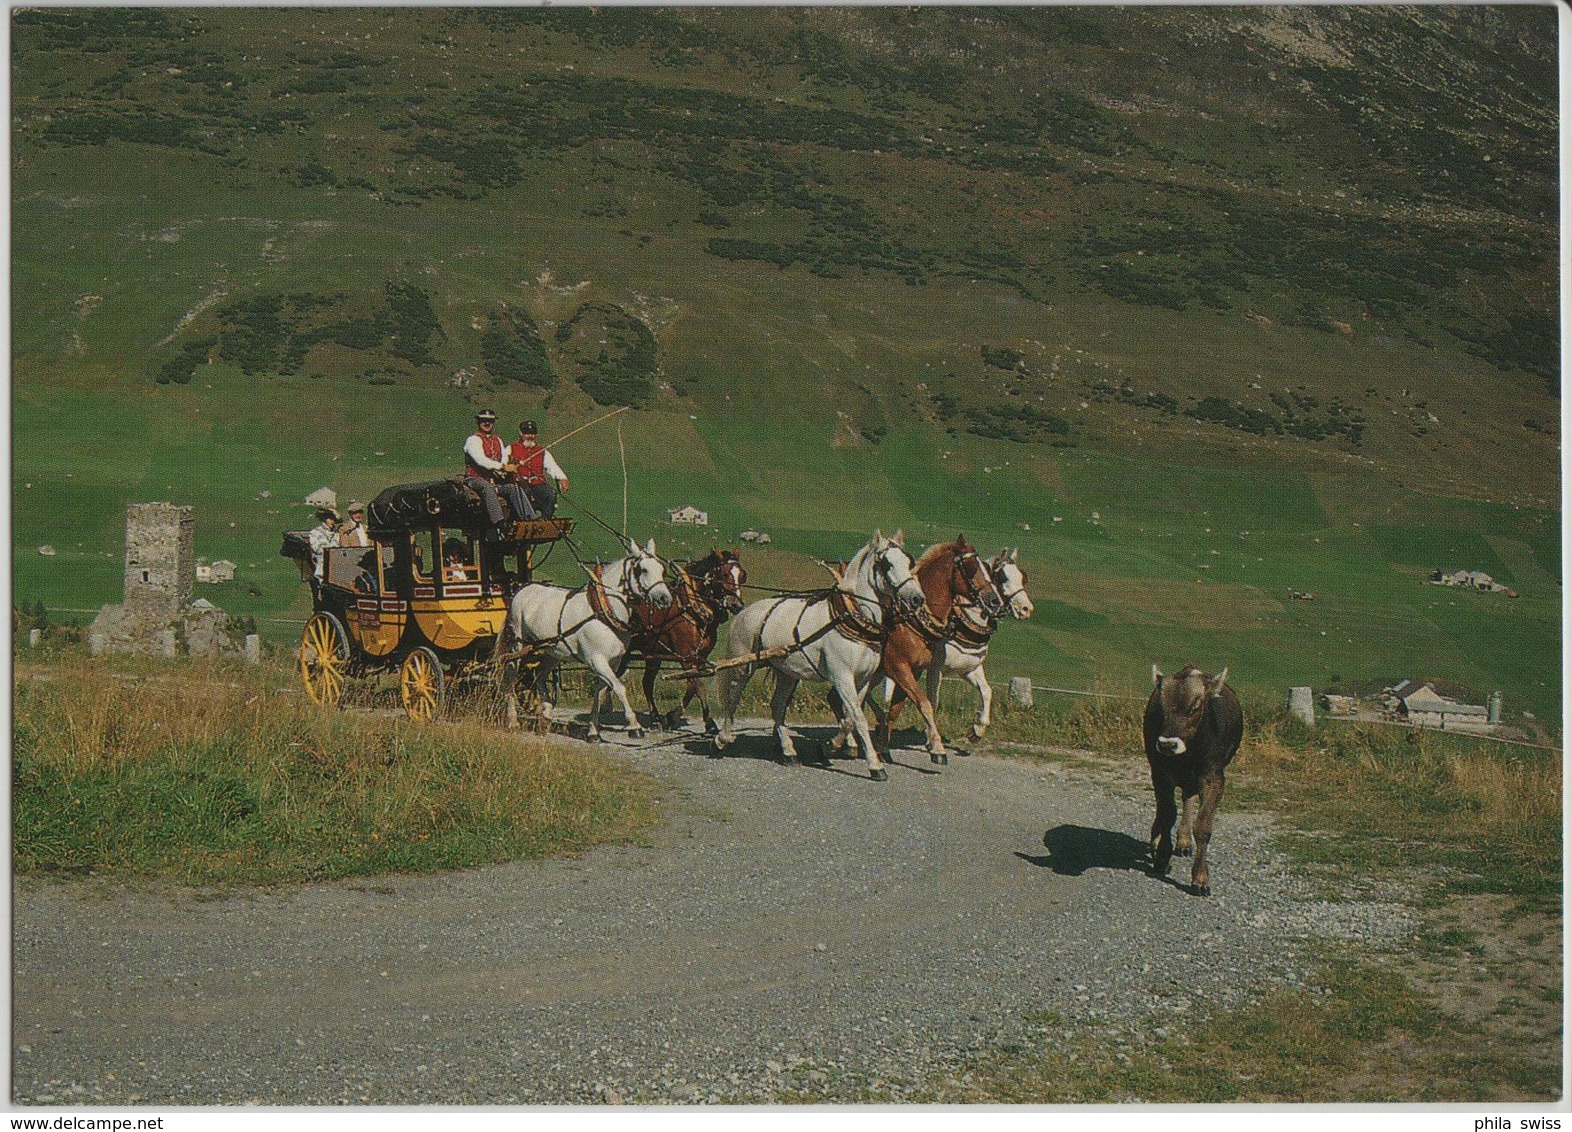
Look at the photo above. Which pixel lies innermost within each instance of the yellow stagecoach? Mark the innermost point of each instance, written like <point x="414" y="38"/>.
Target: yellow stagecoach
<point x="428" y="598"/>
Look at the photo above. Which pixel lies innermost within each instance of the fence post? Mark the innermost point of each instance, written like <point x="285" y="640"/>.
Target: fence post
<point x="253" y="649"/>
<point x="1301" y="705"/>
<point x="1021" y="690"/>
<point x="35" y="637"/>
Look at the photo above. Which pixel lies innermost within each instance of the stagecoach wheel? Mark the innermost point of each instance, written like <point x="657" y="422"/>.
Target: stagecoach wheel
<point x="420" y="682"/>
<point x="324" y="659"/>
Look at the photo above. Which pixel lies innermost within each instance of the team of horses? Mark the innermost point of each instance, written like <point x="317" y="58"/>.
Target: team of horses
<point x="887" y="619"/>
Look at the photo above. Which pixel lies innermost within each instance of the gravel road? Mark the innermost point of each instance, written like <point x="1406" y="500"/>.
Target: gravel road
<point x="789" y="931"/>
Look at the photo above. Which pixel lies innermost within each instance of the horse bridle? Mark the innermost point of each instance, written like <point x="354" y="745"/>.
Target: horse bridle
<point x="882" y="567"/>
<point x="991" y="601"/>
<point x="715" y="581"/>
<point x="1006" y="598"/>
<point x="633" y="589"/>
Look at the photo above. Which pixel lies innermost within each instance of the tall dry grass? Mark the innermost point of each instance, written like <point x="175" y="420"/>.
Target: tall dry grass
<point x="214" y="774"/>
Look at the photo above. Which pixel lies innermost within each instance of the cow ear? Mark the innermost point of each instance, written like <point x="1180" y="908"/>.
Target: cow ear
<point x="1157" y="676"/>
<point x="1214" y="686"/>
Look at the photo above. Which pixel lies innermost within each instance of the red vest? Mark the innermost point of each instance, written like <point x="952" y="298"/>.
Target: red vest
<point x="530" y="459"/>
<point x="492" y="447"/>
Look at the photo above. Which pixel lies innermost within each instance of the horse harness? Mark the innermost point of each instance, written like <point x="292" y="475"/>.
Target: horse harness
<point x="688" y="603"/>
<point x="600" y="608"/>
<point x="957" y="626"/>
<point x="963" y="631"/>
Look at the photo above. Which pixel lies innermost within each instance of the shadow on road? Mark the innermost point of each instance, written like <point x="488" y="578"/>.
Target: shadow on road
<point x="813" y="751"/>
<point x="1072" y="849"/>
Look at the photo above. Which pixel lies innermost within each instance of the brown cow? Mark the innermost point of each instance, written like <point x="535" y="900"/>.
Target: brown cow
<point x="1193" y="726"/>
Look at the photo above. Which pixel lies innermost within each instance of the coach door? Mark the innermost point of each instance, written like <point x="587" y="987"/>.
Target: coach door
<point x="382" y="611"/>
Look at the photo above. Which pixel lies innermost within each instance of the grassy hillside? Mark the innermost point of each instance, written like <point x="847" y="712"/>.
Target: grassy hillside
<point x="1271" y="291"/>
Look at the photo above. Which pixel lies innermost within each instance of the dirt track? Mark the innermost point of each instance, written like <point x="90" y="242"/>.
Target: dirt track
<point x="790" y="930"/>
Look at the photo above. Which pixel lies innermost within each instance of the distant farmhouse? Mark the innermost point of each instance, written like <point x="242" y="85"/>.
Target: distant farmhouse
<point x="688" y="515"/>
<point x="221" y="571"/>
<point x="1470" y="580"/>
<point x="1422" y="706"/>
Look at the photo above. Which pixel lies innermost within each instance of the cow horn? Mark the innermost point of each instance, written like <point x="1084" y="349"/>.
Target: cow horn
<point x="1157" y="675"/>
<point x="1215" y="684"/>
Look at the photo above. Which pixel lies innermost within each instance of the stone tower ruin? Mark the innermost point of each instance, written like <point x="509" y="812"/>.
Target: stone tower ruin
<point x="160" y="557"/>
<point x="158" y="616"/>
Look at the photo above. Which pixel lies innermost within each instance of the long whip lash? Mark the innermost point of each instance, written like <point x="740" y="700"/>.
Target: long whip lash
<point x="624" y="453"/>
<point x="596" y="421"/>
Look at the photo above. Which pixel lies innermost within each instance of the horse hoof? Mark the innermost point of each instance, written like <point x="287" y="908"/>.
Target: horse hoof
<point x="790" y="760"/>
<point x="939" y="758"/>
<point x="674" y="720"/>
<point x="635" y="733"/>
<point x="711" y="727"/>
<point x="1201" y="889"/>
<point x="975" y="734"/>
<point x="879" y="775"/>
<point x="722" y="741"/>
<point x="593" y="737"/>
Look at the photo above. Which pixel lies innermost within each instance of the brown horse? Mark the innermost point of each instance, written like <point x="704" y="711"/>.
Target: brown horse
<point x="705" y="593"/>
<point x="954" y="578"/>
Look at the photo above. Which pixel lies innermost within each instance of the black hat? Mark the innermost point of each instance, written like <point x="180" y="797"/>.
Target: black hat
<point x="485" y="415"/>
<point x="527" y="427"/>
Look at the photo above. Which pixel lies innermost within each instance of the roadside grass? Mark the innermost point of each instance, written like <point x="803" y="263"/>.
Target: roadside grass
<point x="1362" y="1034"/>
<point x="214" y="774"/>
<point x="1357" y="800"/>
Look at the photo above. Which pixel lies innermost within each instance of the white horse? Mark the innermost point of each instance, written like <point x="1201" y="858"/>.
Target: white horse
<point x="590" y="624"/>
<point x="835" y="639"/>
<point x="964" y="653"/>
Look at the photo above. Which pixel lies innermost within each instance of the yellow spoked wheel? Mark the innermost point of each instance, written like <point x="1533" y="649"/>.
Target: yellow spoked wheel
<point x="420" y="682"/>
<point x="324" y="659"/>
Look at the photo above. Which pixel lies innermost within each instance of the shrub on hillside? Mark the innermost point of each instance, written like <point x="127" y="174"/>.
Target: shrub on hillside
<point x="614" y="354"/>
<point x="511" y="349"/>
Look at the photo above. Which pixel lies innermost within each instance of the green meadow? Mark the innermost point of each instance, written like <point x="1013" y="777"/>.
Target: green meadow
<point x="1164" y="317"/>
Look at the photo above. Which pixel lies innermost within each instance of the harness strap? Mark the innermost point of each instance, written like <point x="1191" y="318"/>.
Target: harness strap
<point x="926" y="625"/>
<point x="968" y="633"/>
<point x="600" y="603"/>
<point x="847" y="617"/>
<point x="688" y="603"/>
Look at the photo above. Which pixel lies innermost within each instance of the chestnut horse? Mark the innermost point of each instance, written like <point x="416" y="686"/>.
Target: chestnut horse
<point x="704" y="594"/>
<point x="955" y="580"/>
<point x="964" y="648"/>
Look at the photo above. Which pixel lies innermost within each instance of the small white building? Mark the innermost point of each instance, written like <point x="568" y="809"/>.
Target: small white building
<point x="323" y="497"/>
<point x="688" y="515"/>
<point x="222" y="571"/>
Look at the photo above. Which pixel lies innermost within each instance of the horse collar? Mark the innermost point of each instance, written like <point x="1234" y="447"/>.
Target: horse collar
<point x="847" y="617"/>
<point x="964" y="631"/>
<point x="600" y="604"/>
